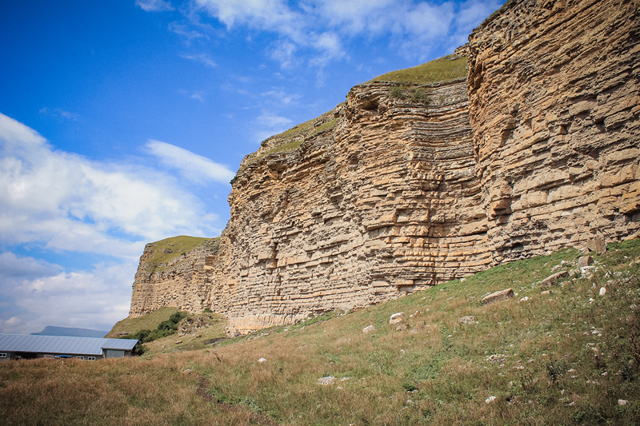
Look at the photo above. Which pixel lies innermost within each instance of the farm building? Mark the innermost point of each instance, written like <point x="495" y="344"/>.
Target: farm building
<point x="22" y="346"/>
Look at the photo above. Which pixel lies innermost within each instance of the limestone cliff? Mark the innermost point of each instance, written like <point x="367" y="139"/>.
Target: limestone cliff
<point x="391" y="192"/>
<point x="173" y="272"/>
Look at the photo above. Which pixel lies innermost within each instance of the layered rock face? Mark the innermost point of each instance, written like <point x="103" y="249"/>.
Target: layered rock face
<point x="382" y="204"/>
<point x="554" y="94"/>
<point x="184" y="281"/>
<point x="536" y="150"/>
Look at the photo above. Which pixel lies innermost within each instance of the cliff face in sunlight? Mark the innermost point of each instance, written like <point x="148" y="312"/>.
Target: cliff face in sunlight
<point x="392" y="192"/>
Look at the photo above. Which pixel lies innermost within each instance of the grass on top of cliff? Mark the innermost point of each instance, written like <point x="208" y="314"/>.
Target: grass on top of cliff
<point x="438" y="70"/>
<point x="567" y="354"/>
<point x="165" y="250"/>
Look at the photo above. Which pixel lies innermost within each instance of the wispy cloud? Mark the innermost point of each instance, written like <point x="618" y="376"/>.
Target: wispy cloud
<point x="413" y="27"/>
<point x="185" y="31"/>
<point x="154" y="5"/>
<point x="194" y="167"/>
<point x="270" y="124"/>
<point x="57" y="112"/>
<point x="281" y="97"/>
<point x="198" y="95"/>
<point x="202" y="58"/>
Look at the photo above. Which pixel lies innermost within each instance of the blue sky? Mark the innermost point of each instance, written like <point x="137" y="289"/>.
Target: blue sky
<point x="123" y="122"/>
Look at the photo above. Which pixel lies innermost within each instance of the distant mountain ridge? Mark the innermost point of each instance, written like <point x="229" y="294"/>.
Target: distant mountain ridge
<point x="51" y="330"/>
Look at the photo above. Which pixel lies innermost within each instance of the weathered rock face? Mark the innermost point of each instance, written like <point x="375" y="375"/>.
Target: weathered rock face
<point x="383" y="204"/>
<point x="554" y="95"/>
<point x="537" y="150"/>
<point x="184" y="281"/>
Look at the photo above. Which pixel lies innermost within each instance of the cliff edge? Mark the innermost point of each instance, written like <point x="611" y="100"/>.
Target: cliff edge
<point x="411" y="182"/>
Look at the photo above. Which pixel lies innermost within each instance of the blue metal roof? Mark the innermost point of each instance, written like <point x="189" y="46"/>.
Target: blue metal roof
<point x="62" y="344"/>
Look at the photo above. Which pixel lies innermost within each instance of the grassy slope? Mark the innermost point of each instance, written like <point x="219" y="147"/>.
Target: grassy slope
<point x="438" y="70"/>
<point x="546" y="371"/>
<point x="170" y="248"/>
<point x="147" y="322"/>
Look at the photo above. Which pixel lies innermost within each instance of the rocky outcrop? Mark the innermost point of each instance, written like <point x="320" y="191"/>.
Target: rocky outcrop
<point x="554" y="99"/>
<point x="536" y="150"/>
<point x="173" y="273"/>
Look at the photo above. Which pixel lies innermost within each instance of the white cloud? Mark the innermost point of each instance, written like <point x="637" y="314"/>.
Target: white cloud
<point x="154" y="5"/>
<point x="68" y="202"/>
<point x="96" y="299"/>
<point x="57" y="112"/>
<point x="270" y="124"/>
<point x="194" y="167"/>
<point x="184" y="31"/>
<point x="202" y="57"/>
<point x="321" y="26"/>
<point x="281" y="97"/>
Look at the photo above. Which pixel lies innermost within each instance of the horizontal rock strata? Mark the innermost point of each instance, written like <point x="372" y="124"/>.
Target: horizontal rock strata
<point x="554" y="94"/>
<point x="536" y="150"/>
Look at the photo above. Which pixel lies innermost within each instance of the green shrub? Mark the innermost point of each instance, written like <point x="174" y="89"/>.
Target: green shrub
<point x="177" y="317"/>
<point x="420" y="97"/>
<point x="397" y="93"/>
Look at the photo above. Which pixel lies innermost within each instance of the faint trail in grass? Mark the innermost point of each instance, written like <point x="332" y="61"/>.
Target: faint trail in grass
<point x="255" y="418"/>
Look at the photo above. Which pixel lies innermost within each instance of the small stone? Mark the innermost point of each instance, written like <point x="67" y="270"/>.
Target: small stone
<point x="498" y="296"/>
<point x="262" y="360"/>
<point x="467" y="319"/>
<point x="368" y="329"/>
<point x="603" y="291"/>
<point x="551" y="278"/>
<point x="490" y="399"/>
<point x="585" y="261"/>
<point x="402" y="327"/>
<point x="524" y="299"/>
<point x="597" y="244"/>
<point x="328" y="380"/>
<point x="546" y="292"/>
<point x="396" y="318"/>
<point x="623" y="402"/>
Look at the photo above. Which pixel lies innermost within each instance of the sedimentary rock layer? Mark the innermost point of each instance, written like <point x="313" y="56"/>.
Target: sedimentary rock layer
<point x="554" y="94"/>
<point x="184" y="281"/>
<point x="536" y="150"/>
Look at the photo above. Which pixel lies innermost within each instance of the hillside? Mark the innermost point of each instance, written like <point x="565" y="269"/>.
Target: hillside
<point x="566" y="352"/>
<point x="51" y="330"/>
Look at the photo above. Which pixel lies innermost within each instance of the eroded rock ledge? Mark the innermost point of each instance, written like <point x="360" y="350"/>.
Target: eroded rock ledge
<point x="536" y="150"/>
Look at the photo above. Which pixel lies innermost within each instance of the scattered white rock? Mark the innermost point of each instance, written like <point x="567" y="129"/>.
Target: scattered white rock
<point x="524" y="299"/>
<point x="262" y="360"/>
<point x="468" y="319"/>
<point x="328" y="380"/>
<point x="498" y="296"/>
<point x="344" y="379"/>
<point x="603" y="291"/>
<point x="396" y="318"/>
<point x="623" y="402"/>
<point x="490" y="399"/>
<point x="368" y="329"/>
<point x="496" y="358"/>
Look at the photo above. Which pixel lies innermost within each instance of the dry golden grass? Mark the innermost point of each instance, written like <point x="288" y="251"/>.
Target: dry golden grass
<point x="432" y="372"/>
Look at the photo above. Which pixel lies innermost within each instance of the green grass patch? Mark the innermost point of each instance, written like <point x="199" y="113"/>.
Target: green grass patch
<point x="168" y="249"/>
<point x="438" y="70"/>
<point x="151" y="321"/>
